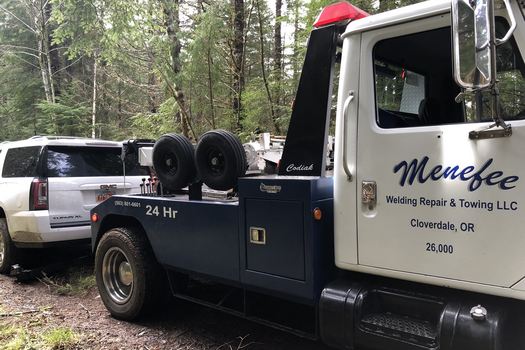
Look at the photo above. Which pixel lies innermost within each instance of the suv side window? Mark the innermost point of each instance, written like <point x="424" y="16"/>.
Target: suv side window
<point x="21" y="162"/>
<point x="74" y="161"/>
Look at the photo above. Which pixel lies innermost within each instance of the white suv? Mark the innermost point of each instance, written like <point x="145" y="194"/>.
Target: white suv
<point x="48" y="185"/>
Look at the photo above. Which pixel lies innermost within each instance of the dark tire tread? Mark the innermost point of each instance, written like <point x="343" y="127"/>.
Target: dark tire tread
<point x="236" y="145"/>
<point x="147" y="292"/>
<point x="11" y="252"/>
<point x="182" y="147"/>
<point x="234" y="153"/>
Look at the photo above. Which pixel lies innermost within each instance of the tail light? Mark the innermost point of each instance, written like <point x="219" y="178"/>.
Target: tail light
<point x="38" y="199"/>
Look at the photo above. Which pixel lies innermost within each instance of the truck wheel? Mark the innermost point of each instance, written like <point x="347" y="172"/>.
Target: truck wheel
<point x="220" y="159"/>
<point x="174" y="161"/>
<point x="128" y="276"/>
<point x="8" y="251"/>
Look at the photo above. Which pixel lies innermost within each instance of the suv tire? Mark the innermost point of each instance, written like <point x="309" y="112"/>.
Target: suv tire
<point x="8" y="251"/>
<point x="220" y="159"/>
<point x="128" y="276"/>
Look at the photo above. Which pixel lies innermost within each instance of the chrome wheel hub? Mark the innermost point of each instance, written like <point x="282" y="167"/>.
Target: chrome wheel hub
<point x="117" y="275"/>
<point x="125" y="273"/>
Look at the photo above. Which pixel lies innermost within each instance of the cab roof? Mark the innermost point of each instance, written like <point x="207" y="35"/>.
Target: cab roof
<point x="402" y="14"/>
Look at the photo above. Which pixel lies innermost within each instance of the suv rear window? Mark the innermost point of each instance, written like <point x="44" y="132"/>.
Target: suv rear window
<point x="21" y="162"/>
<point x="67" y="161"/>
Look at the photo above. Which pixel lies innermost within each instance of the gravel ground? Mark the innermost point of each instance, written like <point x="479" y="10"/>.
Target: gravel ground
<point x="36" y="307"/>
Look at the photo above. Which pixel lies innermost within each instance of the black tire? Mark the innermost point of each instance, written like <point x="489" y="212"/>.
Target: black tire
<point x="127" y="301"/>
<point x="8" y="251"/>
<point x="220" y="159"/>
<point x="174" y="161"/>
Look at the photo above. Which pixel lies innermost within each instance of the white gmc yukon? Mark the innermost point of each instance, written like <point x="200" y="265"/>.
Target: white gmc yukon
<point x="48" y="185"/>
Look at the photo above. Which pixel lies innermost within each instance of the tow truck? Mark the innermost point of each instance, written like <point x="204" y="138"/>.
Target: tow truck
<point x="414" y="240"/>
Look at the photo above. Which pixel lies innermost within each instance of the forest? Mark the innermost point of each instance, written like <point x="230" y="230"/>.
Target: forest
<point x="120" y="69"/>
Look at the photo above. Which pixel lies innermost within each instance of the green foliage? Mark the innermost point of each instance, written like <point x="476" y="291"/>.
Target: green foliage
<point x="138" y="91"/>
<point x="78" y="281"/>
<point x="62" y="119"/>
<point x="15" y="339"/>
<point x="23" y="338"/>
<point x="59" y="338"/>
<point x="151" y="125"/>
<point x="204" y="72"/>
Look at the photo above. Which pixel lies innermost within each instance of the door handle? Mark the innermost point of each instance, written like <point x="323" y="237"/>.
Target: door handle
<point x="346" y="167"/>
<point x="512" y="20"/>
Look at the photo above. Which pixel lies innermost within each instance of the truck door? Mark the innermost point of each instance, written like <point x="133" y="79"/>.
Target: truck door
<point x="446" y="205"/>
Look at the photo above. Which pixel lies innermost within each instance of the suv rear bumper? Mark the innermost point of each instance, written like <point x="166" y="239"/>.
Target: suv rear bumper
<point x="34" y="227"/>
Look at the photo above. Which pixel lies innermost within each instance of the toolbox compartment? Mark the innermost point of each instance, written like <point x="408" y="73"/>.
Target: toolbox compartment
<point x="283" y="249"/>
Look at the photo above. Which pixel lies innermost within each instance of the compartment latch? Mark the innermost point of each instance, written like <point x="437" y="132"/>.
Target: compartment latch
<point x="257" y="235"/>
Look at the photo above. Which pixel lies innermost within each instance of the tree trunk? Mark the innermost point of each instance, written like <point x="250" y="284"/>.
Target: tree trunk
<point x="171" y="12"/>
<point x="44" y="71"/>
<point x="296" y="29"/>
<point x="238" y="52"/>
<point x="45" y="12"/>
<point x="94" y="105"/>
<point x="39" y="16"/>
<point x="210" y="87"/>
<point x="152" y="97"/>
<point x="263" y="70"/>
<point x="277" y="61"/>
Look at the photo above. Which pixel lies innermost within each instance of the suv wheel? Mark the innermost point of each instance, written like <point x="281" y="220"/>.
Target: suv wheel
<point x="7" y="249"/>
<point x="128" y="276"/>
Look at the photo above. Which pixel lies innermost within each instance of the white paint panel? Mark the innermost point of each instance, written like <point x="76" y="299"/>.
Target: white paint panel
<point x="345" y="192"/>
<point x="490" y="255"/>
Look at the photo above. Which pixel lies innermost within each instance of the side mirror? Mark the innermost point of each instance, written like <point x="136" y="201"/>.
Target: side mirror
<point x="471" y="32"/>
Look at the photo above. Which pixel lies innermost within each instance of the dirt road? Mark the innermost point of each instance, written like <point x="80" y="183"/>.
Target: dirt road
<point x="65" y="312"/>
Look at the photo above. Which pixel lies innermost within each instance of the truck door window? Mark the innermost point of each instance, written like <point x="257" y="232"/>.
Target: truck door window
<point x="415" y="87"/>
<point x="399" y="93"/>
<point x="421" y="65"/>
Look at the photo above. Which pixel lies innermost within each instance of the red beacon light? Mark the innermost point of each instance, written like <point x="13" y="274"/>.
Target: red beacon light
<point x="339" y="12"/>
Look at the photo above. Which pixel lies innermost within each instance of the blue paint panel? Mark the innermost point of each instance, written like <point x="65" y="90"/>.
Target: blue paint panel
<point x="212" y="238"/>
<point x="285" y="205"/>
<point x="282" y="254"/>
<point x="198" y="236"/>
<point x="204" y="238"/>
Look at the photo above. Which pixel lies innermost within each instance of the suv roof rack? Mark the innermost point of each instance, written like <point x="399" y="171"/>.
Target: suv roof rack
<point x="53" y="137"/>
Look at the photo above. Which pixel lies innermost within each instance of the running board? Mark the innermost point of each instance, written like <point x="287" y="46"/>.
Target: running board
<point x="402" y="328"/>
<point x="354" y="316"/>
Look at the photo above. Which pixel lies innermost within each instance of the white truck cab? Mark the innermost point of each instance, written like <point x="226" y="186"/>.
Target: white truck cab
<point x="447" y="209"/>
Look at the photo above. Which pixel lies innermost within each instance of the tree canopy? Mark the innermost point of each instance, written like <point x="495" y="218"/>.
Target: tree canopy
<point x="118" y="69"/>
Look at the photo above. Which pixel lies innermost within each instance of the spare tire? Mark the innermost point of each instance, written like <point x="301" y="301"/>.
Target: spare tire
<point x="220" y="159"/>
<point x="174" y="161"/>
